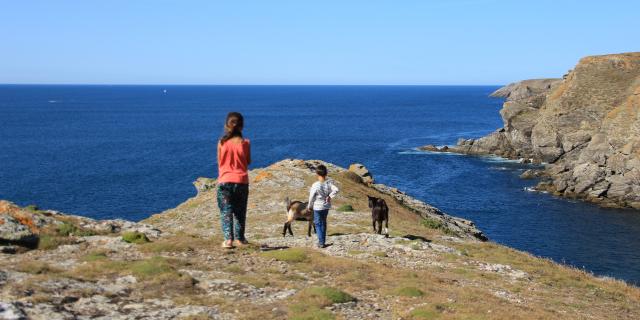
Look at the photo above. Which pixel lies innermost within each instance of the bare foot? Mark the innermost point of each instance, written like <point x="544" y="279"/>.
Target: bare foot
<point x="227" y="244"/>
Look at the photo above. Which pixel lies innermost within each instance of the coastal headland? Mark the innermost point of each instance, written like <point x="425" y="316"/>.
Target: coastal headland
<point x="171" y="266"/>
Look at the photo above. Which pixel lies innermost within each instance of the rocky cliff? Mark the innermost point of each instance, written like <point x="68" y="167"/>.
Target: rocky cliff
<point x="171" y="266"/>
<point x="584" y="126"/>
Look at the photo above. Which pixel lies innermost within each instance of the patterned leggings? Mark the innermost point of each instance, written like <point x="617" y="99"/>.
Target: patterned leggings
<point x="232" y="201"/>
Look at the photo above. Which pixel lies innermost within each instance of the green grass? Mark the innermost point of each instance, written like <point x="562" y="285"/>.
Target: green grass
<point x="287" y="255"/>
<point x="433" y="223"/>
<point x="420" y="314"/>
<point x="333" y="295"/>
<point x="34" y="208"/>
<point x="409" y="292"/>
<point x="309" y="303"/>
<point x="135" y="237"/>
<point x="67" y="229"/>
<point x="150" y="267"/>
<point x="50" y="242"/>
<point x="345" y="208"/>
<point x="95" y="256"/>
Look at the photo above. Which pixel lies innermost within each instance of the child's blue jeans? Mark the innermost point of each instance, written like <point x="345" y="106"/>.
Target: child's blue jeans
<point x="320" y="220"/>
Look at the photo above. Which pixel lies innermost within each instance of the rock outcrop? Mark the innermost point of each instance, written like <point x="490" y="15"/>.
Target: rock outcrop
<point x="431" y="264"/>
<point x="585" y="127"/>
<point x="362" y="172"/>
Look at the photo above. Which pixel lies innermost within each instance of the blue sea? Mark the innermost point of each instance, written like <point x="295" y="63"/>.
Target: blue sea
<point x="131" y="151"/>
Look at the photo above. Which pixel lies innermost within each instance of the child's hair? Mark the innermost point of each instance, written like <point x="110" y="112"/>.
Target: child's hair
<point x="321" y="170"/>
<point x="232" y="126"/>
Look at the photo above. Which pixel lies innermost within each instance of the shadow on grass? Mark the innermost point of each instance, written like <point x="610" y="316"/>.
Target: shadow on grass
<point x="413" y="237"/>
<point x="265" y="247"/>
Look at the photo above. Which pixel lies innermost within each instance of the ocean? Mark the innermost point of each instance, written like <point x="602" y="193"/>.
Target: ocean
<point x="131" y="151"/>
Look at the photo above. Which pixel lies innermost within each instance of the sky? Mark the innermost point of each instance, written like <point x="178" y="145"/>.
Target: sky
<point x="454" y="42"/>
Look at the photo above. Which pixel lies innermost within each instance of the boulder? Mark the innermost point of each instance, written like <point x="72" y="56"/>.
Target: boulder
<point x="12" y="231"/>
<point x="428" y="147"/>
<point x="362" y="171"/>
<point x="203" y="184"/>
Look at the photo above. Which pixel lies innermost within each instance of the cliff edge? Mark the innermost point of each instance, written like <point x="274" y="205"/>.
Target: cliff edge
<point x="585" y="127"/>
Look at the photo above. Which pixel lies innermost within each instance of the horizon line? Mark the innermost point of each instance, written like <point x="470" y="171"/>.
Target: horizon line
<point x="247" y="84"/>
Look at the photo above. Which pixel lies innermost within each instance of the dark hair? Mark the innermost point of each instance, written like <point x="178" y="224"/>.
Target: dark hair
<point x="321" y="170"/>
<point x="232" y="126"/>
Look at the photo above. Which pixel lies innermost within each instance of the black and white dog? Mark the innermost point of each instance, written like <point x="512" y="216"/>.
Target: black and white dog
<point x="379" y="213"/>
<point x="297" y="211"/>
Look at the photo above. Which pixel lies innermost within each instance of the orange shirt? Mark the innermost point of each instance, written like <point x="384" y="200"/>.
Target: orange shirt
<point x="233" y="164"/>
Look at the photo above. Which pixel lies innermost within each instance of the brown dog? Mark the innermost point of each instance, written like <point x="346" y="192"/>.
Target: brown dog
<point x="297" y="211"/>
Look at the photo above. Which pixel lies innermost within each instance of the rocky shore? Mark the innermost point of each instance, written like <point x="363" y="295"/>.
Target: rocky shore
<point x="171" y="266"/>
<point x="584" y="127"/>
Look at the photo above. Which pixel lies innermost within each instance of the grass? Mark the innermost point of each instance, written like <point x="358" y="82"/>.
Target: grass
<point x="433" y="223"/>
<point x="345" y="208"/>
<point x="95" y="256"/>
<point x="50" y="242"/>
<point x="380" y="254"/>
<point x="152" y="267"/>
<point x="409" y="292"/>
<point x="36" y="267"/>
<point x="256" y="281"/>
<point x="35" y="209"/>
<point x="324" y="296"/>
<point x="135" y="237"/>
<point x="309" y="303"/>
<point x="310" y="313"/>
<point x="287" y="255"/>
<point x="157" y="276"/>
<point x="423" y="313"/>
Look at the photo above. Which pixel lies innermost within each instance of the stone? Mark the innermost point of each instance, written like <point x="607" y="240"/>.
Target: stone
<point x="531" y="174"/>
<point x="362" y="171"/>
<point x="10" y="311"/>
<point x="12" y="231"/>
<point x="429" y="147"/>
<point x="203" y="184"/>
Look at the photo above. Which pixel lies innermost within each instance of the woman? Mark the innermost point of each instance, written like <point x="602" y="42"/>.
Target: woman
<point x="234" y="157"/>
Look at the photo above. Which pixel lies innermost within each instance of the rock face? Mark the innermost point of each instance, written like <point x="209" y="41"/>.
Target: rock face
<point x="585" y="126"/>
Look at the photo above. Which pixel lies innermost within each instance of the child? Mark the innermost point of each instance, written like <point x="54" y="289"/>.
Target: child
<point x="320" y="195"/>
<point x="234" y="157"/>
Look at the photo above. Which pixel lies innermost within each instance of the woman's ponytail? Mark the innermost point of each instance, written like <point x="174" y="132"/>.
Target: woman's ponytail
<point x="232" y="126"/>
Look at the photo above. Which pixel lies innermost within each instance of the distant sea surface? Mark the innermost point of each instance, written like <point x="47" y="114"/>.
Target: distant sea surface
<point x="131" y="151"/>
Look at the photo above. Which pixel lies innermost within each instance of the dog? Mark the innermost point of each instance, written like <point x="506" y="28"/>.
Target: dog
<point x="298" y="211"/>
<point x="379" y="213"/>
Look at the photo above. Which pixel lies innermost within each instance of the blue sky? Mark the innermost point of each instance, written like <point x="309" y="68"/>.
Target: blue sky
<point x="307" y="42"/>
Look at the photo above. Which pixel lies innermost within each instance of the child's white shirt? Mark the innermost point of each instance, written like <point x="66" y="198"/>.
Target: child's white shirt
<point x="320" y="192"/>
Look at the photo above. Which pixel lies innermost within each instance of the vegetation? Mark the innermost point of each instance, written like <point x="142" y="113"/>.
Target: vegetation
<point x="287" y="255"/>
<point x="345" y="208"/>
<point x="50" y="242"/>
<point x="330" y="295"/>
<point x="433" y="223"/>
<point x="135" y="237"/>
<point x="95" y="256"/>
<point x="36" y="267"/>
<point x="409" y="292"/>
<point x="309" y="303"/>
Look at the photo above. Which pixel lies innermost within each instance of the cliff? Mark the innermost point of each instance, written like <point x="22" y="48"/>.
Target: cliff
<point x="171" y="266"/>
<point x="584" y="126"/>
